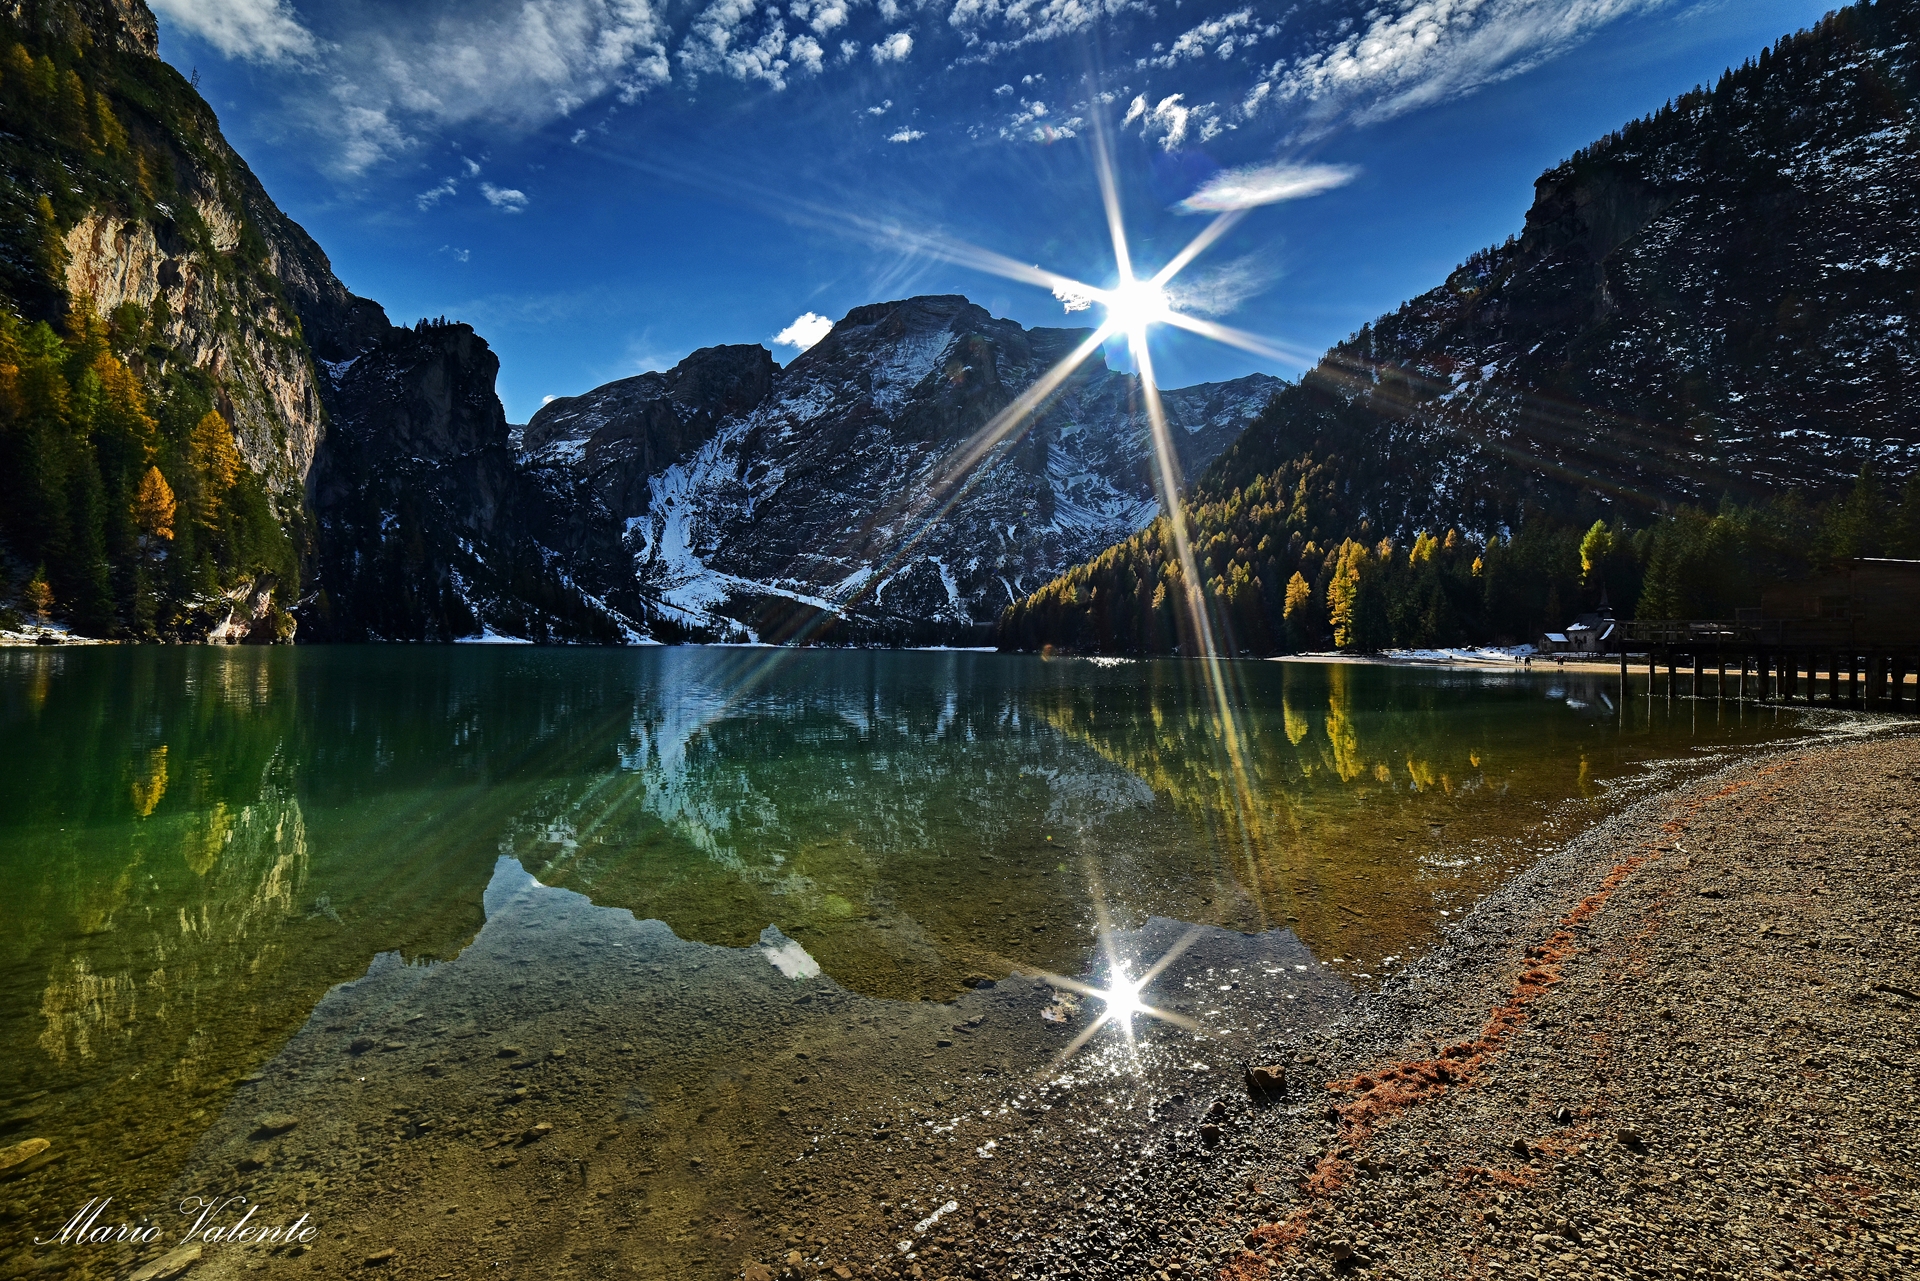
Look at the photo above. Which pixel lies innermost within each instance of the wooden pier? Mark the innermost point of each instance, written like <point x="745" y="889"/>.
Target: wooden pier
<point x="1848" y="639"/>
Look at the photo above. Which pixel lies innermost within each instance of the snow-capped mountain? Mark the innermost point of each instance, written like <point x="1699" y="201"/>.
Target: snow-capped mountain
<point x="1717" y="299"/>
<point x="845" y="494"/>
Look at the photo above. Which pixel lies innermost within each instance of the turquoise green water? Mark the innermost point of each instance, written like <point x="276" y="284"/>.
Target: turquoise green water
<point x="197" y="845"/>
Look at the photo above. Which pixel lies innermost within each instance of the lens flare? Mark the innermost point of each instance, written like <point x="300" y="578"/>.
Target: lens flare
<point x="1135" y="304"/>
<point x="1123" y="1000"/>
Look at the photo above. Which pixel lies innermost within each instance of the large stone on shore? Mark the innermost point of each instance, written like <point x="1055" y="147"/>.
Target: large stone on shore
<point x="1266" y="1083"/>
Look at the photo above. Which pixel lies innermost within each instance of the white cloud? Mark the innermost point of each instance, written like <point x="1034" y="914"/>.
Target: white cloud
<point x="806" y="53"/>
<point x="579" y="136"/>
<point x="548" y="400"/>
<point x="1172" y="119"/>
<point x="1024" y="22"/>
<point x="1073" y="296"/>
<point x="1004" y="91"/>
<point x="893" y="48"/>
<point x="473" y="166"/>
<point x="829" y="17"/>
<point x="849" y="50"/>
<point x="368" y="134"/>
<point x="1045" y="126"/>
<point x="806" y="330"/>
<point x="721" y="40"/>
<point x="882" y="109"/>
<point x="1254" y="185"/>
<point x="906" y="135"/>
<point x="505" y="199"/>
<point x="824" y="16"/>
<point x="406" y="69"/>
<point x="1219" y="290"/>
<point x="456" y="253"/>
<point x="1416" y="52"/>
<point x="258" y="30"/>
<point x="428" y="199"/>
<point x="1222" y="37"/>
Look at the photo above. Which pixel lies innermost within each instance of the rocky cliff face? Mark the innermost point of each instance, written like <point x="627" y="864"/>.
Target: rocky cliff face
<point x="267" y="389"/>
<point x="729" y="498"/>
<point x="1717" y="299"/>
<point x="170" y="220"/>
<point x="427" y="527"/>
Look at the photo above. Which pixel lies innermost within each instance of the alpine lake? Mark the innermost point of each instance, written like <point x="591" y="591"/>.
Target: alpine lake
<point x="501" y="961"/>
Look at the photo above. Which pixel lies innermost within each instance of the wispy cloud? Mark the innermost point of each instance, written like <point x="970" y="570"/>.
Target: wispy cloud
<point x="1255" y="185"/>
<point x="433" y="196"/>
<point x="806" y="330"/>
<point x="1220" y="289"/>
<point x="400" y="71"/>
<point x="456" y="253"/>
<point x="381" y="80"/>
<point x="505" y="199"/>
<point x="1414" y="53"/>
<point x="906" y="135"/>
<point x="257" y="30"/>
<point x="996" y="26"/>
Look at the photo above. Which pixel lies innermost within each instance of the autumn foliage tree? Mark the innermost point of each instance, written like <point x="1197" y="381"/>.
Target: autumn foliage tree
<point x="1269" y="588"/>
<point x="94" y="476"/>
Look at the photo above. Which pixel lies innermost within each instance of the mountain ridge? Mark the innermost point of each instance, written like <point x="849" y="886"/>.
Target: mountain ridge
<point x="1714" y="303"/>
<point x="822" y="499"/>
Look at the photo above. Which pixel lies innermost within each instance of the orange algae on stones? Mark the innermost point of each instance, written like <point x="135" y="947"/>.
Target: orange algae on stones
<point x="1382" y="1094"/>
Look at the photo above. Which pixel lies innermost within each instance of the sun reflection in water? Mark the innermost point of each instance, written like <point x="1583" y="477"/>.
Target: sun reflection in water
<point x="1123" y="1001"/>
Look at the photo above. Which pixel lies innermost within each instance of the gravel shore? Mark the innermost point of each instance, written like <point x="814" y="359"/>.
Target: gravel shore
<point x="1685" y="1046"/>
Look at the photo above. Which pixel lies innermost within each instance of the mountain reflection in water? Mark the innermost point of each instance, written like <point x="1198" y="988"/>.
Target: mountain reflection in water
<point x="196" y="845"/>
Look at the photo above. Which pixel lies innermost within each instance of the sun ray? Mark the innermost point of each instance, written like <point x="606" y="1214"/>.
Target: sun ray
<point x="1240" y="338"/>
<point x="1219" y="227"/>
<point x="1110" y="198"/>
<point x="962" y="471"/>
<point x="1169" y="956"/>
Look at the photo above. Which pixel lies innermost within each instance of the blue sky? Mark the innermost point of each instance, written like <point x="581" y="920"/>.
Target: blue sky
<point x="602" y="186"/>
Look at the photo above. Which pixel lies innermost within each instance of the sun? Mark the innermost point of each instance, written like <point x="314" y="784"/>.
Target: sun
<point x="1134" y="304"/>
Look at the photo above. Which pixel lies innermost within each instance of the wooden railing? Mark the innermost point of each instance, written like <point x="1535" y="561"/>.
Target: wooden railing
<point x="1766" y="633"/>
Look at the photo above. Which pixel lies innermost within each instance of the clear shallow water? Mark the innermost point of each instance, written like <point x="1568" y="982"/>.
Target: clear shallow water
<point x="584" y="852"/>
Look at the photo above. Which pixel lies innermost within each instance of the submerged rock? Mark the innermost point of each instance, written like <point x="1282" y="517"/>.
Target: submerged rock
<point x="21" y="1153"/>
<point x="170" y="1265"/>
